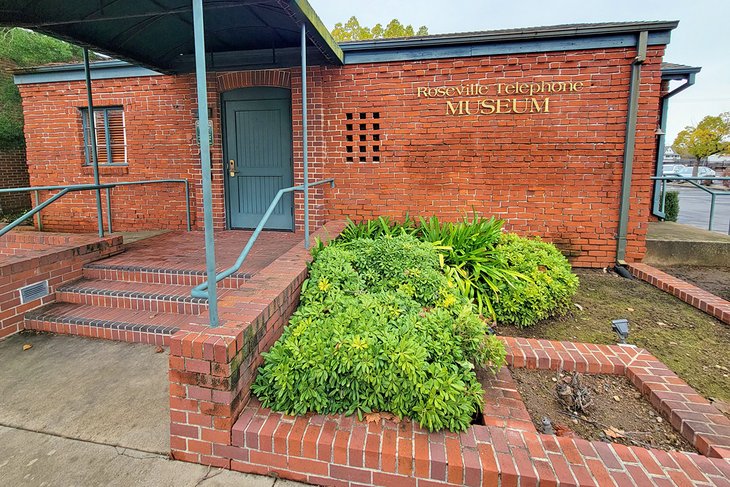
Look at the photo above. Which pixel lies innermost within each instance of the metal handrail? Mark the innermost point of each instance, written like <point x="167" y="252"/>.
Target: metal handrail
<point x="201" y="291"/>
<point x="693" y="181"/>
<point x="85" y="187"/>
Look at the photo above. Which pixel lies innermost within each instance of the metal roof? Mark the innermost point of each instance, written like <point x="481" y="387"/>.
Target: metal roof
<point x="678" y="71"/>
<point x="158" y="34"/>
<point x="508" y="41"/>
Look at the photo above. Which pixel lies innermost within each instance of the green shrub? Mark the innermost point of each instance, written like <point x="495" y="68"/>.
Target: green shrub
<point x="671" y="206"/>
<point x="547" y="289"/>
<point x="379" y="227"/>
<point x="380" y="328"/>
<point x="470" y="258"/>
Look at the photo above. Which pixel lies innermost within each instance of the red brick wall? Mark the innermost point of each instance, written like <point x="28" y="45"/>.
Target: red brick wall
<point x="553" y="174"/>
<point x="13" y="174"/>
<point x="29" y="257"/>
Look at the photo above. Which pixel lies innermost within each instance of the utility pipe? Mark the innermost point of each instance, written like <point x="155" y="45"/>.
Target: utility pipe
<point x="629" y="145"/>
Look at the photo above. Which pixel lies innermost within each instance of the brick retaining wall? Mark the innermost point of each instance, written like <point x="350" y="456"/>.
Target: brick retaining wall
<point x="31" y="257"/>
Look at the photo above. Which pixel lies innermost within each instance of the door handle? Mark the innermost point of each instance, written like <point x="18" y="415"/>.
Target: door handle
<point x="232" y="168"/>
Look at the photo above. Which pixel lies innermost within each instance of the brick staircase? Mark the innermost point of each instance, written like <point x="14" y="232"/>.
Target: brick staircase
<point x="143" y="293"/>
<point x="127" y="303"/>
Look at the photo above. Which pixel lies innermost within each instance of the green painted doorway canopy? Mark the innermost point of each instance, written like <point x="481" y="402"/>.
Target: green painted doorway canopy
<point x="158" y="34"/>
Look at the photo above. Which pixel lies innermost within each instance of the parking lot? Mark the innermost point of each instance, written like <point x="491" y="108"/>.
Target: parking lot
<point x="694" y="208"/>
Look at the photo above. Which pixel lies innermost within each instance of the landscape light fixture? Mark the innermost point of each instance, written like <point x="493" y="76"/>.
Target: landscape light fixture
<point x="621" y="327"/>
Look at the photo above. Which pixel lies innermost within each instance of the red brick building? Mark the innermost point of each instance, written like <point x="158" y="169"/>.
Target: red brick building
<point x="13" y="169"/>
<point x="531" y="125"/>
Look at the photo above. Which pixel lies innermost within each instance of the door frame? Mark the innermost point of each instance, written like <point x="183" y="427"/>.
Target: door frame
<point x="253" y="93"/>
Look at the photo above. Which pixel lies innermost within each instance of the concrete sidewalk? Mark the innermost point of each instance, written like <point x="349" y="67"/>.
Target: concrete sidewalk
<point x="83" y="412"/>
<point x="37" y="459"/>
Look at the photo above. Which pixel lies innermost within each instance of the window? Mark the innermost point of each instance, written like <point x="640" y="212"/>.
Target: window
<point x="111" y="140"/>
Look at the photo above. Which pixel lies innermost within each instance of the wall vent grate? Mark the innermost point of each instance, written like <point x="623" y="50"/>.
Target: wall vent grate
<point x="33" y="291"/>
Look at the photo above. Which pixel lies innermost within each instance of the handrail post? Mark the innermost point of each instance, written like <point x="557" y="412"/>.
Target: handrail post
<point x="305" y="155"/>
<point x="712" y="210"/>
<point x="92" y="136"/>
<point x="38" y="202"/>
<point x="187" y="203"/>
<point x="202" y="90"/>
<point x="109" y="209"/>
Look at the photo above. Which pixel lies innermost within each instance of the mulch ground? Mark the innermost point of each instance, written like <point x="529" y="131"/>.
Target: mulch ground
<point x="712" y="279"/>
<point x="691" y="343"/>
<point x="618" y="412"/>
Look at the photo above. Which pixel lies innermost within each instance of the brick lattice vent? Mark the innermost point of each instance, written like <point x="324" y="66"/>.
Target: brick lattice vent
<point x="689" y="293"/>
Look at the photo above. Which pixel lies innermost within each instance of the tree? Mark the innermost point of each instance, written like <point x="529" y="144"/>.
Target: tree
<point x="353" y="31"/>
<point x="709" y="137"/>
<point x="21" y="48"/>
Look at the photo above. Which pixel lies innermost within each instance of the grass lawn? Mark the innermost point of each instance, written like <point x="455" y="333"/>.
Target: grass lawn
<point x="693" y="344"/>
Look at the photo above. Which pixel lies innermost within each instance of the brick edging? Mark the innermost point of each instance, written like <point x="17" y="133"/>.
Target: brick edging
<point x="689" y="293"/>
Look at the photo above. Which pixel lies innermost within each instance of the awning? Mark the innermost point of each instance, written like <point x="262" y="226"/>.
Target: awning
<point x="158" y="34"/>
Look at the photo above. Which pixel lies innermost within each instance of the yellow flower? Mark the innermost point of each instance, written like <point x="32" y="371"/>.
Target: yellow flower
<point x="324" y="284"/>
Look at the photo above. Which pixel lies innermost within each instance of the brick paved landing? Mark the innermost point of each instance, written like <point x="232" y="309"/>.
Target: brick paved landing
<point x="185" y="251"/>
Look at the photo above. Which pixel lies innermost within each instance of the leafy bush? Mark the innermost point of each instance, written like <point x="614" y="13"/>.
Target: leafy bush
<point x="470" y="258"/>
<point x="547" y="289"/>
<point x="380" y="328"/>
<point x="467" y="249"/>
<point x="379" y="227"/>
<point x="671" y="206"/>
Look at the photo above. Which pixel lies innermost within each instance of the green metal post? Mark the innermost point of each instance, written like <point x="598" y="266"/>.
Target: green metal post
<point x="92" y="130"/>
<point x="712" y="210"/>
<point x="305" y="155"/>
<point x="109" y="210"/>
<point x="202" y="89"/>
<point x="38" y="202"/>
<point x="629" y="143"/>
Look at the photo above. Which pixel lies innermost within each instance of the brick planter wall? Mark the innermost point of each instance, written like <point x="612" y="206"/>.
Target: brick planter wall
<point x="211" y="369"/>
<point x="31" y="257"/>
<point x="689" y="293"/>
<point x="554" y="174"/>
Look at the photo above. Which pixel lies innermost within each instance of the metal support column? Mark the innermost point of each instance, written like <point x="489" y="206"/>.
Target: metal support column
<point x="202" y="89"/>
<point x="92" y="136"/>
<point x="305" y="155"/>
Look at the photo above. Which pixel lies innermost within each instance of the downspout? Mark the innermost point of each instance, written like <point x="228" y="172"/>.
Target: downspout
<point x="629" y="146"/>
<point x="657" y="208"/>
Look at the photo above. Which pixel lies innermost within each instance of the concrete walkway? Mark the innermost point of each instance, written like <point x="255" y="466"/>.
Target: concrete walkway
<point x="37" y="459"/>
<point x="83" y="412"/>
<point x="669" y="243"/>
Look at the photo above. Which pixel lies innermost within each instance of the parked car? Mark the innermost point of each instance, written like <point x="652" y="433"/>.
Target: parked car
<point x="702" y="172"/>
<point x="672" y="169"/>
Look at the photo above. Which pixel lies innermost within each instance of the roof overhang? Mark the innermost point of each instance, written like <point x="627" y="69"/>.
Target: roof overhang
<point x="571" y="37"/>
<point x="671" y="71"/>
<point x="158" y="34"/>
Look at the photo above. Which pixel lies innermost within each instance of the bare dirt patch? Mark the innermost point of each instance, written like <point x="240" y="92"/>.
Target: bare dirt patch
<point x="715" y="280"/>
<point x="617" y="412"/>
<point x="691" y="343"/>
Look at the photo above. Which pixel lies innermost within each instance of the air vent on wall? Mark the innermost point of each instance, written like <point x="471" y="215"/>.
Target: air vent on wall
<point x="33" y="291"/>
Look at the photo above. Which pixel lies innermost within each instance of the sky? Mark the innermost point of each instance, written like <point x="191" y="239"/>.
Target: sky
<point x="701" y="39"/>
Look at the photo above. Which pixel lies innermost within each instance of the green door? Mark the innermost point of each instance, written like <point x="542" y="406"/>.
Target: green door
<point x="258" y="150"/>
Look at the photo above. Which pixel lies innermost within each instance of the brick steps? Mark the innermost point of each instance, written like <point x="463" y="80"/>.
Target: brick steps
<point x="158" y="298"/>
<point x="154" y="275"/>
<point x="110" y="323"/>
